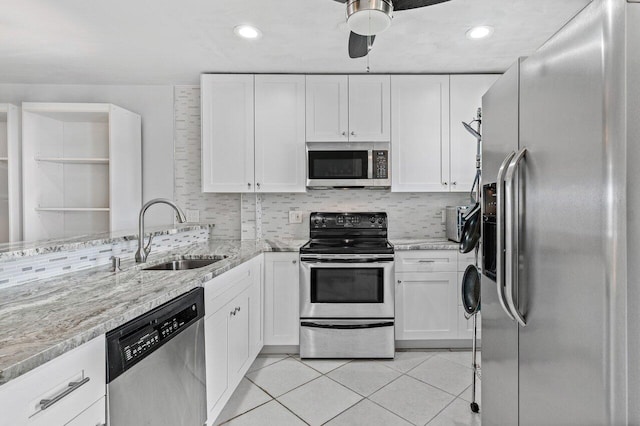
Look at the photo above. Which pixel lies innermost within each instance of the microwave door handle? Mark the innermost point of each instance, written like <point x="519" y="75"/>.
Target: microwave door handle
<point x="370" y="164"/>
<point x="511" y="240"/>
<point x="500" y="234"/>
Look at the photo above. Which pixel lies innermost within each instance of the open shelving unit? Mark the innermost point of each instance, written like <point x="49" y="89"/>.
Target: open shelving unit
<point x="82" y="169"/>
<point x="10" y="167"/>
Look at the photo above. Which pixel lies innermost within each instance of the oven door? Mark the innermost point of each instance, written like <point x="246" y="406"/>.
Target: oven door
<point x="347" y="286"/>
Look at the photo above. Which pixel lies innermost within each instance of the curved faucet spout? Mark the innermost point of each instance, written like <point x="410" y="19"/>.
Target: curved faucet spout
<point x="143" y="251"/>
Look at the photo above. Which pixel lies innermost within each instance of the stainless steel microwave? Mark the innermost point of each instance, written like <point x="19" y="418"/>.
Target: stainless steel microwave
<point x="348" y="165"/>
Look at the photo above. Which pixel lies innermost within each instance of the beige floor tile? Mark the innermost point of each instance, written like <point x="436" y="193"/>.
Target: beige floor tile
<point x="458" y="413"/>
<point x="364" y="377"/>
<point x="366" y="413"/>
<point x="270" y="413"/>
<point x="282" y="376"/>
<point x="264" y="360"/>
<point x="405" y="361"/>
<point x="319" y="401"/>
<point x="246" y="396"/>
<point x="444" y="374"/>
<point x="412" y="400"/>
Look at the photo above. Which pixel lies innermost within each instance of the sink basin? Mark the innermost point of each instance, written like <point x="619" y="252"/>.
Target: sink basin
<point x="184" y="264"/>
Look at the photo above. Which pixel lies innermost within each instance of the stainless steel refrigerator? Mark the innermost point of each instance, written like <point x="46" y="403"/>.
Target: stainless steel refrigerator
<point x="555" y="225"/>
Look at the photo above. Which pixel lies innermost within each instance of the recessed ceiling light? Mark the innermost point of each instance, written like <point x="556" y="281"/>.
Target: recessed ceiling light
<point x="247" y="31"/>
<point x="482" y="31"/>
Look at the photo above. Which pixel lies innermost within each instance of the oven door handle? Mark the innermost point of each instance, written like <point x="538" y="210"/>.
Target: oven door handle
<point x="373" y="260"/>
<point x="347" y="326"/>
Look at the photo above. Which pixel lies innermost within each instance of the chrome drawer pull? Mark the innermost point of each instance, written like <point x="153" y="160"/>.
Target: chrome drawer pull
<point x="46" y="403"/>
<point x="426" y="261"/>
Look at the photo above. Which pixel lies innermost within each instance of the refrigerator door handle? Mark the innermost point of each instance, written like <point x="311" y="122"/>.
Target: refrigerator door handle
<point x="500" y="233"/>
<point x="511" y="240"/>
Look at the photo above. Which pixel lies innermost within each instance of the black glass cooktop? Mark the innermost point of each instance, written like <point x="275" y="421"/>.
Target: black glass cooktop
<point x="347" y="246"/>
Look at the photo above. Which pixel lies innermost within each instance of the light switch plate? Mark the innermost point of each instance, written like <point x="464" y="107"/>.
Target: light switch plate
<point x="193" y="215"/>
<point x="295" y="216"/>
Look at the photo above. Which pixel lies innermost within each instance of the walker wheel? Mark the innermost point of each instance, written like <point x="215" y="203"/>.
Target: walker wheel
<point x="474" y="407"/>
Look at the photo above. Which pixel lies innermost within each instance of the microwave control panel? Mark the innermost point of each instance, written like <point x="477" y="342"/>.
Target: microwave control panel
<point x="380" y="164"/>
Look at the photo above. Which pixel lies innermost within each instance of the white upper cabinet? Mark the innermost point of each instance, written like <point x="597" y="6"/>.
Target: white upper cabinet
<point x="369" y="108"/>
<point x="227" y="133"/>
<point x="420" y="133"/>
<point x="466" y="98"/>
<point x="327" y="108"/>
<point x="353" y="108"/>
<point x="280" y="133"/>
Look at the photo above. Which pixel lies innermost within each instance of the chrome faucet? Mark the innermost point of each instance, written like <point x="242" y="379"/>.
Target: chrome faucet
<point x="143" y="251"/>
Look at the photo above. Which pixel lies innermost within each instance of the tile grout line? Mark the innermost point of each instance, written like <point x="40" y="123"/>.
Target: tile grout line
<point x="291" y="411"/>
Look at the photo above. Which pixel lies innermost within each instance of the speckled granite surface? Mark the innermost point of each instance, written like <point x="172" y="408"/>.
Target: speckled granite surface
<point x="44" y="319"/>
<point x="23" y="249"/>
<point x="424" y="244"/>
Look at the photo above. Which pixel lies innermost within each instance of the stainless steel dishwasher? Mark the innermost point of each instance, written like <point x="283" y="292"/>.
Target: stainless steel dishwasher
<point x="156" y="366"/>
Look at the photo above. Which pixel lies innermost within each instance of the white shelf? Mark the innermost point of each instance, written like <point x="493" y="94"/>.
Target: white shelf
<point x="4" y="158"/>
<point x="76" y="160"/>
<point x="72" y="209"/>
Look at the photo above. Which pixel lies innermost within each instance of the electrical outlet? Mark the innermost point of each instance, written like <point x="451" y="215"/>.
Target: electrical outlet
<point x="193" y="215"/>
<point x="295" y="216"/>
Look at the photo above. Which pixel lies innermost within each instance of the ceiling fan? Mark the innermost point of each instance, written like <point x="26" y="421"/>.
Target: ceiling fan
<point x="367" y="18"/>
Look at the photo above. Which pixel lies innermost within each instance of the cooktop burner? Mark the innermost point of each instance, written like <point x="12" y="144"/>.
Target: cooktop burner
<point x="348" y="233"/>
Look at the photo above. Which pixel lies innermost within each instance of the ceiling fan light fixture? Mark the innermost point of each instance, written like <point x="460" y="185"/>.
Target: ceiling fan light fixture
<point x="477" y="33"/>
<point x="369" y="17"/>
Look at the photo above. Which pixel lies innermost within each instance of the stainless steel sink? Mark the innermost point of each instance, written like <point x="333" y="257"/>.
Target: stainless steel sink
<point x="184" y="264"/>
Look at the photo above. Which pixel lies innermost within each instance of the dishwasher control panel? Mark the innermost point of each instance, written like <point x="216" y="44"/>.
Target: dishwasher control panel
<point x="132" y="342"/>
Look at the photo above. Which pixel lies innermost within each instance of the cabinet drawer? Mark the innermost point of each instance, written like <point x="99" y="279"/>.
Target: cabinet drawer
<point x="92" y="416"/>
<point x="222" y="289"/>
<point x="20" y="399"/>
<point x="427" y="261"/>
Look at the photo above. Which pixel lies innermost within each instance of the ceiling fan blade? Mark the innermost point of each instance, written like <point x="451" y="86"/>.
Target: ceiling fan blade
<point x="414" y="4"/>
<point x="359" y="45"/>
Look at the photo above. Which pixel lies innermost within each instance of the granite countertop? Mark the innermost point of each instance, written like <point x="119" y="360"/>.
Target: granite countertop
<point x="423" y="244"/>
<point x="31" y="248"/>
<point x="44" y="319"/>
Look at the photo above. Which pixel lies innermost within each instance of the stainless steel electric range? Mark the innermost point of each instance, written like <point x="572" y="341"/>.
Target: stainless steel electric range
<point x="347" y="296"/>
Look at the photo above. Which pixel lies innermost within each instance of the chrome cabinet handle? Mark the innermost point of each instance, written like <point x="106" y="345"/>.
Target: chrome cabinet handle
<point x="454" y="183"/>
<point x="258" y="185"/>
<point x="344" y="133"/>
<point x="238" y="309"/>
<point x="511" y="240"/>
<point x="426" y="261"/>
<point x="294" y="261"/>
<point x="46" y="403"/>
<point x="249" y="185"/>
<point x="399" y="281"/>
<point x="445" y="183"/>
<point x="353" y="133"/>
<point x="500" y="234"/>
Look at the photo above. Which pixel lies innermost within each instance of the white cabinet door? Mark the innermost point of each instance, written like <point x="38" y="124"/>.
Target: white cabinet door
<point x="227" y="133"/>
<point x="216" y="353"/>
<point x="369" y="108"/>
<point x="256" y="308"/>
<point x="327" y="108"/>
<point x="420" y="133"/>
<point x="425" y="306"/>
<point x="466" y="98"/>
<point x="282" y="293"/>
<point x="280" y="133"/>
<point x="238" y="335"/>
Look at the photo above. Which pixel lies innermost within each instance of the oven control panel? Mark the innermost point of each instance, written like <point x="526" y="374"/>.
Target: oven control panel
<point x="380" y="164"/>
<point x="319" y="221"/>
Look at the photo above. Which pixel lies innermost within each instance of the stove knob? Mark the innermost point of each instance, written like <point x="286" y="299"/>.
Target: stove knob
<point x="324" y="220"/>
<point x="317" y="221"/>
<point x="380" y="221"/>
<point x="372" y="219"/>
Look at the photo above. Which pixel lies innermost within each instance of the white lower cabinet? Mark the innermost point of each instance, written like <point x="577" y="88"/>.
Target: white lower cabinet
<point x="233" y="336"/>
<point x="60" y="392"/>
<point x="92" y="416"/>
<point x="428" y="296"/>
<point x="282" y="294"/>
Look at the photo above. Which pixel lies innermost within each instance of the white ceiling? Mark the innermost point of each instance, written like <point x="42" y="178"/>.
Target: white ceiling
<point x="173" y="41"/>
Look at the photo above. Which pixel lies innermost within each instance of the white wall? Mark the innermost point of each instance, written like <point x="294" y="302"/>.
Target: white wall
<point x="155" y="106"/>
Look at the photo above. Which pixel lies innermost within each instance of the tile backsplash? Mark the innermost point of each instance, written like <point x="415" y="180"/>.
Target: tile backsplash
<point x="411" y="215"/>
